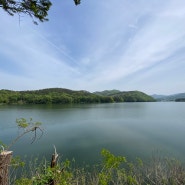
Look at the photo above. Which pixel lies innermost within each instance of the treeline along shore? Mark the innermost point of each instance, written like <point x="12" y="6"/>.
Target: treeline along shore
<point x="67" y="96"/>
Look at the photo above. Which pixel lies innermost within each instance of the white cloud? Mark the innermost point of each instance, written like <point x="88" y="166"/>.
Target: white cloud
<point x="110" y="45"/>
<point x="157" y="40"/>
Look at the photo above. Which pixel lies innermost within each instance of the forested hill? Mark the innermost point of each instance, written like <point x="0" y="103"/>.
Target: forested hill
<point x="173" y="97"/>
<point x="127" y="96"/>
<point x="65" y="96"/>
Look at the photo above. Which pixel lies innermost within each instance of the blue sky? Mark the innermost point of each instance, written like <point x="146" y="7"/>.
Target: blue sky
<point x="98" y="45"/>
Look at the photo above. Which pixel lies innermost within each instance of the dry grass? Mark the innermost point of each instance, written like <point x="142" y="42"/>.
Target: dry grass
<point x="112" y="171"/>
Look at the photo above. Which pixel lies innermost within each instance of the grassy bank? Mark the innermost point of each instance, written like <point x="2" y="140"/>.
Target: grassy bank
<point x="113" y="170"/>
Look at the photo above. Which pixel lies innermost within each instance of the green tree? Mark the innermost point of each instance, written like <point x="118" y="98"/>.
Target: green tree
<point x="13" y="98"/>
<point x="36" y="9"/>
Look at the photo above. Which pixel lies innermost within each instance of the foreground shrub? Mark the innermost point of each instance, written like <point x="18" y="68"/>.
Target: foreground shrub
<point x="113" y="170"/>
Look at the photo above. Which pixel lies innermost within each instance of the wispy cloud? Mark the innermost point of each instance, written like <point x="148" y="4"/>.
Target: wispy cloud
<point x="97" y="46"/>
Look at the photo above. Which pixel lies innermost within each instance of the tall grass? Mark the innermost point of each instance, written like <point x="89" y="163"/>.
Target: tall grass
<point x="113" y="170"/>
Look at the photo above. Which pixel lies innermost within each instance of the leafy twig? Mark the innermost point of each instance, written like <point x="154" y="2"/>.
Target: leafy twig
<point x="27" y="127"/>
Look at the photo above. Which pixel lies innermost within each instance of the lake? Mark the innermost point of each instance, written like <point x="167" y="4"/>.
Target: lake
<point x="81" y="131"/>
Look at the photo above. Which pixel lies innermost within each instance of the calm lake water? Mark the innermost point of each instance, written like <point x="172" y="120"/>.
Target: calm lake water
<point x="81" y="131"/>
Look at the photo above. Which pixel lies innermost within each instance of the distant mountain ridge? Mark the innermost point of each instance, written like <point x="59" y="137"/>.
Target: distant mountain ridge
<point x="173" y="97"/>
<point x="66" y="96"/>
<point x="126" y="96"/>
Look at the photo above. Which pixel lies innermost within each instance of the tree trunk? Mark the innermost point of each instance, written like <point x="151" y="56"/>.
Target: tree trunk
<point x="5" y="159"/>
<point x="53" y="165"/>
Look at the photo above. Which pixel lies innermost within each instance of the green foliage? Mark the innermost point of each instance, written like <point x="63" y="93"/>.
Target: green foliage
<point x="111" y="161"/>
<point x="66" y="96"/>
<point x="27" y="127"/>
<point x="113" y="170"/>
<point x="45" y="174"/>
<point x="36" y="9"/>
<point x="133" y="96"/>
<point x="16" y="162"/>
<point x="24" y="181"/>
<point x="128" y="96"/>
<point x="107" y="92"/>
<point x="22" y="123"/>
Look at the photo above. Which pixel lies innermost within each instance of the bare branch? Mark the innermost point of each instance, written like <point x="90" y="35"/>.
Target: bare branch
<point x="27" y="127"/>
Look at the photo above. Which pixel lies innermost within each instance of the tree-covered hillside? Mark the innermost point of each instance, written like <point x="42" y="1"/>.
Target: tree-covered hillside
<point x="173" y="97"/>
<point x="127" y="96"/>
<point x="66" y="96"/>
<point x="107" y="92"/>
